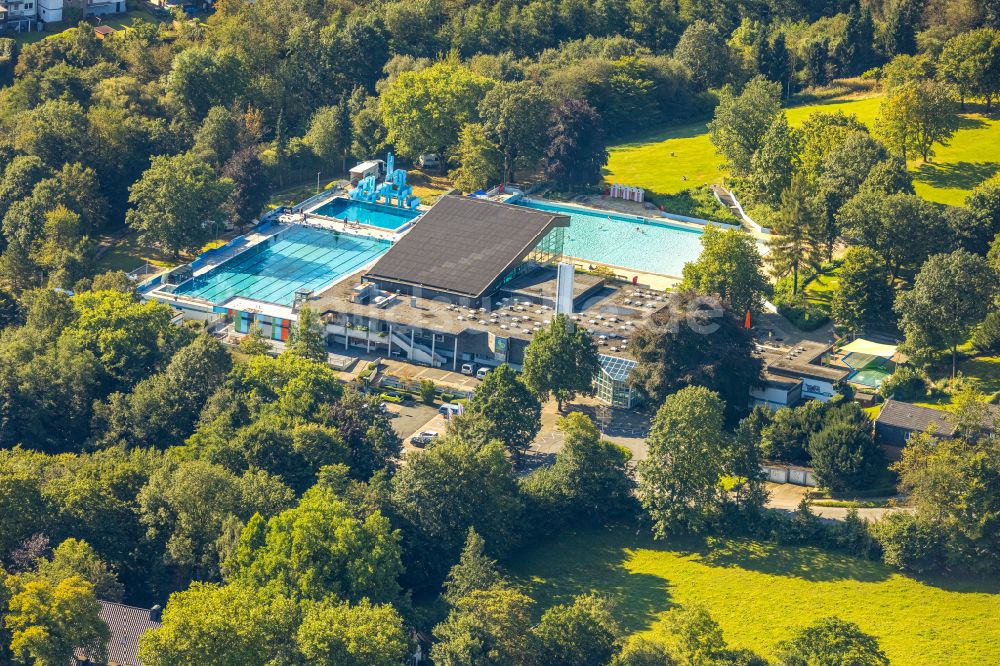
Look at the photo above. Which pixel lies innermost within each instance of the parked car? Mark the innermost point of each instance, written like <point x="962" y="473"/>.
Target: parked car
<point x="482" y="372"/>
<point x="429" y="161"/>
<point x="423" y="438"/>
<point x="397" y="398"/>
<point x="448" y="409"/>
<point x="468" y="369"/>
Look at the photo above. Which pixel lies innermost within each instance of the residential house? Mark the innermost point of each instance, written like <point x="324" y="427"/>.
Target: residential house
<point x="126" y="625"/>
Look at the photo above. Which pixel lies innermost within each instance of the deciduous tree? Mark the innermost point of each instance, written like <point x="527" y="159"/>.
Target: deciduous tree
<point x="950" y="296"/>
<point x="363" y="634"/>
<point x="864" y="295"/>
<point x="175" y="201"/>
<point x="233" y="624"/>
<point x="730" y="267"/>
<point x="844" y="454"/>
<point x="329" y="135"/>
<point x="511" y="409"/>
<point x="679" y="481"/>
<point x="486" y="628"/>
<point x="514" y="115"/>
<point x="971" y="62"/>
<point x="576" y="150"/>
<point x="695" y="342"/>
<point x="480" y="161"/>
<point x="440" y="493"/>
<point x="741" y="122"/>
<point x="703" y="50"/>
<point x="580" y="633"/>
<point x="915" y="116"/>
<point x="307" y="340"/>
<point x="320" y="549"/>
<point x="425" y="110"/>
<point x="588" y="483"/>
<point x="560" y="360"/>
<point x="49" y="619"/>
<point x="832" y="642"/>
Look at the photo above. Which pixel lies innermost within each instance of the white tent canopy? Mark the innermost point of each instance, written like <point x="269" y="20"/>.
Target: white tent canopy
<point x="869" y="348"/>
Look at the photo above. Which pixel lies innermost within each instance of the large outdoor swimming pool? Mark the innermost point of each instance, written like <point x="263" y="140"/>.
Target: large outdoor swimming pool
<point x="301" y="257"/>
<point x="626" y="241"/>
<point x="362" y="212"/>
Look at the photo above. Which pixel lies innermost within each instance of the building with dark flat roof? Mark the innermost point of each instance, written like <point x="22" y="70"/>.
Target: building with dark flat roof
<point x="465" y="249"/>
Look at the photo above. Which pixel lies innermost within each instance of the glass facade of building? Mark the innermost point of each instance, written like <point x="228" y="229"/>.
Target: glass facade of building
<point x="550" y="249"/>
<point x="612" y="381"/>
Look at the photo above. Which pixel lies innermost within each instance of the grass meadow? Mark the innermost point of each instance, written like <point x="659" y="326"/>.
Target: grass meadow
<point x="674" y="159"/>
<point x="761" y="593"/>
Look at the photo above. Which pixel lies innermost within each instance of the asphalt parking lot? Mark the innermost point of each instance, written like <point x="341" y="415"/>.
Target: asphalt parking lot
<point x="407" y="420"/>
<point x="623" y="427"/>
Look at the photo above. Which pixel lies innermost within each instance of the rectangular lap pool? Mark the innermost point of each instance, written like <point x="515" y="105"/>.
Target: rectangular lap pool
<point x="627" y="241"/>
<point x="373" y="215"/>
<point x="300" y="257"/>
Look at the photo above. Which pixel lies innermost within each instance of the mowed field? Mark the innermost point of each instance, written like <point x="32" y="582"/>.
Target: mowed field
<point x="761" y="593"/>
<point x="676" y="158"/>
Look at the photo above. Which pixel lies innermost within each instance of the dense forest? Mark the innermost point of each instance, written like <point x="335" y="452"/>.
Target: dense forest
<point x="143" y="461"/>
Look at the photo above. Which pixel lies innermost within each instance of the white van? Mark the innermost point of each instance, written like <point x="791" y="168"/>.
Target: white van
<point x="449" y="409"/>
<point x="429" y="161"/>
<point x="370" y="168"/>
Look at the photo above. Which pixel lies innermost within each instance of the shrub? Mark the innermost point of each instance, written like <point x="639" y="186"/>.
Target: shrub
<point x="910" y="544"/>
<point x="797" y="308"/>
<point x="803" y="528"/>
<point x="986" y="339"/>
<point x="853" y="536"/>
<point x="905" y="384"/>
<point x="427" y="392"/>
<point x="845" y="455"/>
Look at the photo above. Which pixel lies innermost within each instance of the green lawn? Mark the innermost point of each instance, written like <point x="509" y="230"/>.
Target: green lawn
<point x="661" y="161"/>
<point x="760" y="593"/>
<point x="294" y="194"/>
<point x="972" y="156"/>
<point x="819" y="291"/>
<point x="982" y="372"/>
<point x="127" y="254"/>
<point x="117" y="21"/>
<point x="676" y="158"/>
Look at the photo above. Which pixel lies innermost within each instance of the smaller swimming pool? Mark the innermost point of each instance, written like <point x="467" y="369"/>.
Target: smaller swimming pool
<point x="370" y="214"/>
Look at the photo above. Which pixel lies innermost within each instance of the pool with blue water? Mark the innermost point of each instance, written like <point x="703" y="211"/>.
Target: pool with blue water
<point x="298" y="258"/>
<point x="627" y="241"/>
<point x="371" y="214"/>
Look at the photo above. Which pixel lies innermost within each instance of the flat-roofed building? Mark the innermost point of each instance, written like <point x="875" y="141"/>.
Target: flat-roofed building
<point x="797" y="373"/>
<point x="473" y="282"/>
<point x="465" y="249"/>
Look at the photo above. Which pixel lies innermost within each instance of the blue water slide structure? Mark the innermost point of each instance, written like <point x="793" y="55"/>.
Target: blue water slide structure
<point x="365" y="191"/>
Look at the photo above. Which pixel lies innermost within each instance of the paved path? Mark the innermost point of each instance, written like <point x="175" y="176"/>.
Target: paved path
<point x="787" y="496"/>
<point x="620" y="426"/>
